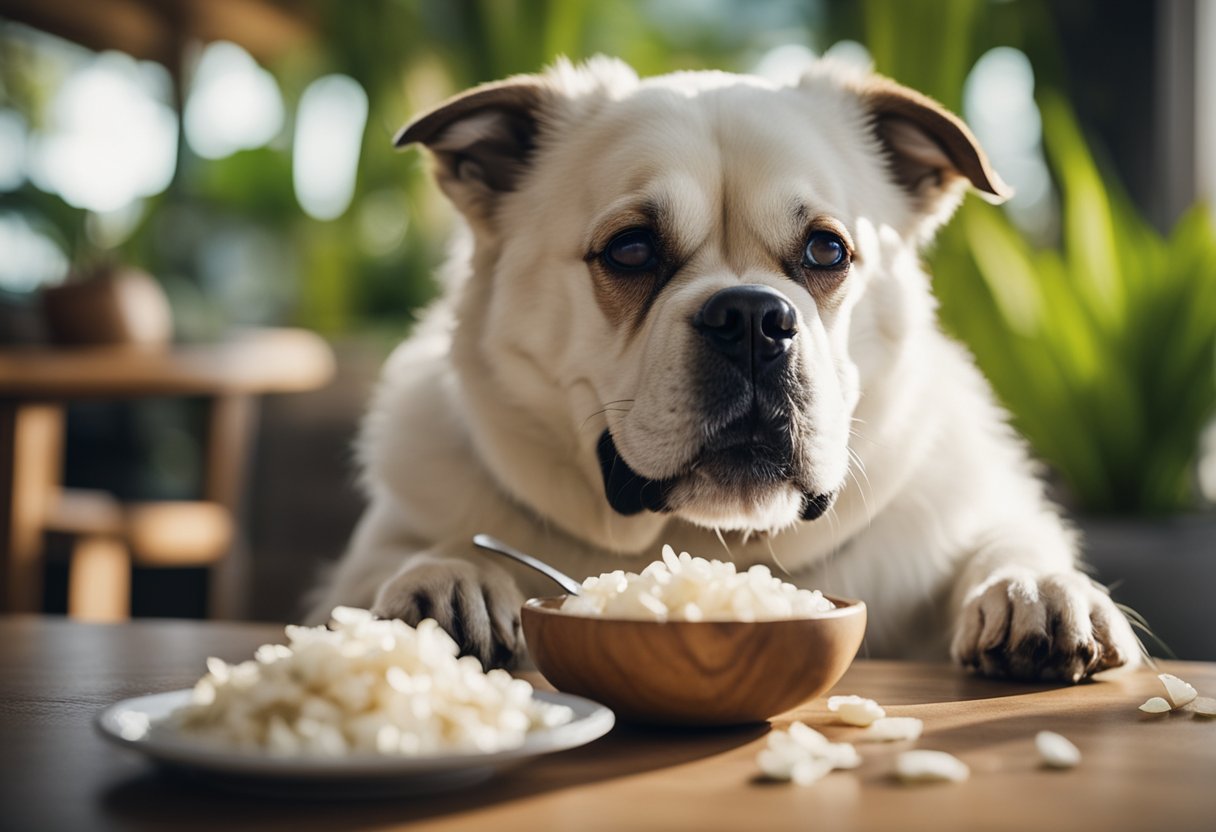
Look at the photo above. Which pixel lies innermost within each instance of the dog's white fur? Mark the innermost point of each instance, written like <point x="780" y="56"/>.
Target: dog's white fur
<point x="487" y="419"/>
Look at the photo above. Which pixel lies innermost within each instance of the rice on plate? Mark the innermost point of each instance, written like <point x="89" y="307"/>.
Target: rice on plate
<point x="363" y="686"/>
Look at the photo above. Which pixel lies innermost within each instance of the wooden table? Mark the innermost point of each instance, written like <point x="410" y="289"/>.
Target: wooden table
<point x="37" y="383"/>
<point x="1138" y="773"/>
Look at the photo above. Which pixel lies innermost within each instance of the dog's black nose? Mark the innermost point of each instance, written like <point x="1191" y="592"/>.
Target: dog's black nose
<point x="751" y="325"/>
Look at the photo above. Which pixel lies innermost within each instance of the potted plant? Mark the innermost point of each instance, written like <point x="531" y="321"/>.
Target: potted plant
<point x="107" y="304"/>
<point x="1104" y="350"/>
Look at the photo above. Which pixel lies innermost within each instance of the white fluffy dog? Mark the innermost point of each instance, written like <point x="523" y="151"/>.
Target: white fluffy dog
<point x="691" y="312"/>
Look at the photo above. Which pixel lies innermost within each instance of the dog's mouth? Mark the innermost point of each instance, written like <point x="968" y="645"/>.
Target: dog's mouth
<point x="628" y="492"/>
<point x="738" y="459"/>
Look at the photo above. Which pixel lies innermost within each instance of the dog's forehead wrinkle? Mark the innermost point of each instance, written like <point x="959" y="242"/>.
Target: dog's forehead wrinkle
<point x="654" y="144"/>
<point x="764" y="216"/>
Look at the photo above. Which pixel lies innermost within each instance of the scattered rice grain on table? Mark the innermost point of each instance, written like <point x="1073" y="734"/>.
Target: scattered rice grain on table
<point x="802" y="755"/>
<point x="893" y="729"/>
<point x="1156" y="705"/>
<point x="1056" y="751"/>
<point x="1177" y="691"/>
<point x="922" y="766"/>
<point x="856" y="710"/>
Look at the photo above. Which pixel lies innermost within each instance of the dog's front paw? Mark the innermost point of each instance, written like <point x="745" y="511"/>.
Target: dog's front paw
<point x="477" y="606"/>
<point x="1061" y="626"/>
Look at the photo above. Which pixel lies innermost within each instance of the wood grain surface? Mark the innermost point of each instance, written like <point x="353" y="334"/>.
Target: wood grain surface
<point x="250" y="361"/>
<point x="1138" y="772"/>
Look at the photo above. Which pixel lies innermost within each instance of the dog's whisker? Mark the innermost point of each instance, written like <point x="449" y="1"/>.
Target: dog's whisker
<point x="776" y="560"/>
<point x="601" y="412"/>
<point x="879" y="445"/>
<point x="855" y="435"/>
<point x="1139" y="622"/>
<point x="833" y="529"/>
<point x="856" y="457"/>
<point x="868" y="489"/>
<point x="862" y="493"/>
<point x="722" y="539"/>
<point x="860" y="489"/>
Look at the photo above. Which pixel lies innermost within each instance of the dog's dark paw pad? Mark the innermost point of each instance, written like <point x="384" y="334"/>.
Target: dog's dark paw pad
<point x="1027" y="659"/>
<point x="994" y="661"/>
<point x="1071" y="664"/>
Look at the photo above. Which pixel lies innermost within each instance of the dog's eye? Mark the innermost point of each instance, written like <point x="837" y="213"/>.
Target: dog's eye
<point x="824" y="250"/>
<point x="631" y="251"/>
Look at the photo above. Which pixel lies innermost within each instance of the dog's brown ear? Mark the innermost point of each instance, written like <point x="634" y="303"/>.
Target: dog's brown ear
<point x="931" y="150"/>
<point x="482" y="140"/>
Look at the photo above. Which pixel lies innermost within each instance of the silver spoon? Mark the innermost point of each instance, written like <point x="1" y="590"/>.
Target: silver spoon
<point x="493" y="544"/>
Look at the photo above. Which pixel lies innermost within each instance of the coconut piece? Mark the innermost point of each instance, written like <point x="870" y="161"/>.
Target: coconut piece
<point x="805" y="737"/>
<point x="893" y="729"/>
<point x="842" y="755"/>
<point x="856" y="710"/>
<point x="1204" y="706"/>
<point x="1056" y="751"/>
<point x="775" y="765"/>
<point x="1177" y="691"/>
<point x="922" y="766"/>
<point x="803" y="755"/>
<point x="1155" y="705"/>
<point x="810" y="769"/>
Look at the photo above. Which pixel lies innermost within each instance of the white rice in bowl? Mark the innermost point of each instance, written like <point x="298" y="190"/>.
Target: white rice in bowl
<point x="365" y="686"/>
<point x="684" y="588"/>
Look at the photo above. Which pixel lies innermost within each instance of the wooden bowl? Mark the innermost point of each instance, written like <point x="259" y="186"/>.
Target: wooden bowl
<point x="693" y="673"/>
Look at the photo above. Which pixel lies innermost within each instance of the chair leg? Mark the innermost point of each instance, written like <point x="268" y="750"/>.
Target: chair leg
<point x="99" y="580"/>
<point x="31" y="443"/>
<point x="230" y="434"/>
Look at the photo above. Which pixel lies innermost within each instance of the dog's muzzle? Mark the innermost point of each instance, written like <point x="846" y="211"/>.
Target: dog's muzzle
<point x="748" y="332"/>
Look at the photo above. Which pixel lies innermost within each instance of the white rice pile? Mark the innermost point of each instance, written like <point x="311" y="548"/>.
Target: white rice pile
<point x="366" y="686"/>
<point x="684" y="588"/>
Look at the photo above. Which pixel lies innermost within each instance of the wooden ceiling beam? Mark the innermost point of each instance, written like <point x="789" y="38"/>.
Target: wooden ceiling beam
<point x="155" y="29"/>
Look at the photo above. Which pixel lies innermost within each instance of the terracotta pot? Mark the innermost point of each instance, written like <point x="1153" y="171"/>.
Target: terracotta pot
<point x="112" y="306"/>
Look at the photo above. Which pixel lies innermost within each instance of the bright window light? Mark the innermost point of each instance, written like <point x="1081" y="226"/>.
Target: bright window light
<point x="112" y="136"/>
<point x="851" y="54"/>
<point x="1205" y="113"/>
<point x="382" y="221"/>
<point x="785" y="63"/>
<point x="998" y="99"/>
<point x="12" y="150"/>
<point x="233" y="103"/>
<point x="998" y="102"/>
<point x="31" y="259"/>
<point x="329" y="136"/>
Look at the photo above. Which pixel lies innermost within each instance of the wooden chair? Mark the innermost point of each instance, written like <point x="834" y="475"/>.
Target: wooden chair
<point x="108" y="536"/>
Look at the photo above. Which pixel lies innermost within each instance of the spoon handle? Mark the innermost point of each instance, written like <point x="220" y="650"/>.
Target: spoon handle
<point x="493" y="544"/>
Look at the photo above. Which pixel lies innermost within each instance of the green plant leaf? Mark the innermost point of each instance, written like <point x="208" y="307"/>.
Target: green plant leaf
<point x="1103" y="349"/>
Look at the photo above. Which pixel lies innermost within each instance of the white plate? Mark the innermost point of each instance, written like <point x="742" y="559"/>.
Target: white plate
<point x="124" y="724"/>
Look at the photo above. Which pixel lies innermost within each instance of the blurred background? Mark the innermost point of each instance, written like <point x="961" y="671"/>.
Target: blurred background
<point x="238" y="151"/>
